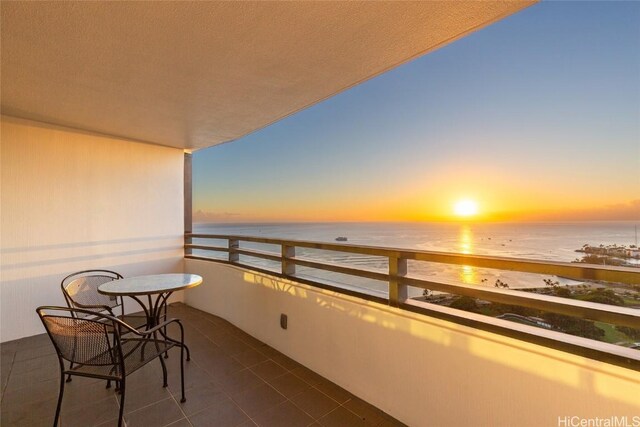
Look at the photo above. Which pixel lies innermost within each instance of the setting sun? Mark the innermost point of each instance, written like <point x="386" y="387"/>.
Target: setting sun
<point x="465" y="207"/>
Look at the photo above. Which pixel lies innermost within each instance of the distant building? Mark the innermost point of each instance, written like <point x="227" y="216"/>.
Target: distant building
<point x="633" y="253"/>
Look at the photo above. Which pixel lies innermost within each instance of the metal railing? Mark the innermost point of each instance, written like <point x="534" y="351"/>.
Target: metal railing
<point x="398" y="279"/>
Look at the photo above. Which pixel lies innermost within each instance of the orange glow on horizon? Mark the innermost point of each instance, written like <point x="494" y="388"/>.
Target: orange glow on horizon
<point x="419" y="204"/>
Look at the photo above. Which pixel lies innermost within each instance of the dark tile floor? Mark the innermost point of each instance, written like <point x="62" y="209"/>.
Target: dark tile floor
<point x="232" y="380"/>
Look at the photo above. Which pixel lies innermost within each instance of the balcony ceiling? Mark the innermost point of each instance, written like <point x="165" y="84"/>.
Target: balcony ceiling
<point x="197" y="74"/>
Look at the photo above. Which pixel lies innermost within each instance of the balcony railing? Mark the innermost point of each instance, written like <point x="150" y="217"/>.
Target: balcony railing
<point x="399" y="280"/>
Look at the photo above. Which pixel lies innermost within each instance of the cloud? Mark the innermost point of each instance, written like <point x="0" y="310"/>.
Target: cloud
<point x="209" y="216"/>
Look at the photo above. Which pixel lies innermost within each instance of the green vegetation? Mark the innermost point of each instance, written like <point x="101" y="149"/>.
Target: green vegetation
<point x="602" y="296"/>
<point x="575" y="326"/>
<point x="558" y="290"/>
<point x="602" y="260"/>
<point x="611" y="333"/>
<point x="632" y="333"/>
<point x="466" y="304"/>
<point x="618" y="295"/>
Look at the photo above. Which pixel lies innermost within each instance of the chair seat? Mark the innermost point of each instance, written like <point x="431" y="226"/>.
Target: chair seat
<point x="98" y="345"/>
<point x="136" y="321"/>
<point x="136" y="352"/>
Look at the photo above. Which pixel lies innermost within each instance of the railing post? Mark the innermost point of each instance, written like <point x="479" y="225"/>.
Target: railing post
<point x="397" y="291"/>
<point x="234" y="244"/>
<point x="288" y="267"/>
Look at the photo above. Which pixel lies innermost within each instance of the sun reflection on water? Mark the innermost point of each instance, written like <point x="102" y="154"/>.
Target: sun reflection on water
<point x="465" y="240"/>
<point x="467" y="274"/>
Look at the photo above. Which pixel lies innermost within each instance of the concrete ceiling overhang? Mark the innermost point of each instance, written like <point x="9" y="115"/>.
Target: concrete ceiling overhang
<point x="197" y="74"/>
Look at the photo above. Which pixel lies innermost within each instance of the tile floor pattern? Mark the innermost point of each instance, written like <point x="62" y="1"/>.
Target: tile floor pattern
<point x="232" y="380"/>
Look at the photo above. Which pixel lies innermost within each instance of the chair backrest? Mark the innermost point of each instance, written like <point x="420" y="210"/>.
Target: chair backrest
<point x="81" y="290"/>
<point x="86" y="341"/>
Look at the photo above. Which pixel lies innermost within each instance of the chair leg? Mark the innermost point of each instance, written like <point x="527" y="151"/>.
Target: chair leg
<point x="60" y="394"/>
<point x="166" y="355"/>
<point x="183" y="399"/>
<point x="69" y="376"/>
<point x="188" y="353"/>
<point x="162" y="363"/>
<point x="164" y="372"/>
<point x="121" y="415"/>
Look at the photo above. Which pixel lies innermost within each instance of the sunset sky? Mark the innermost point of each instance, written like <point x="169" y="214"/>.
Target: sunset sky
<point x="536" y="117"/>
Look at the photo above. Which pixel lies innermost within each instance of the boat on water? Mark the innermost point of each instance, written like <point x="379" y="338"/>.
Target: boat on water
<point x="341" y="239"/>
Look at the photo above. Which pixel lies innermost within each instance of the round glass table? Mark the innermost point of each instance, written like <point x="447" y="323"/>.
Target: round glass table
<point x="161" y="285"/>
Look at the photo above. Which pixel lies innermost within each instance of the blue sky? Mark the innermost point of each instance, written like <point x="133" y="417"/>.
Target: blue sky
<point x="534" y="117"/>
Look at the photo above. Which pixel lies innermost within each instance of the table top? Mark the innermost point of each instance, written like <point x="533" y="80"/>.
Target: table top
<point x="149" y="285"/>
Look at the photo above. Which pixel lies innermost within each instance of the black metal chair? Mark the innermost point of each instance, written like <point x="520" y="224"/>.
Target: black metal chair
<point x="91" y="342"/>
<point x="81" y="291"/>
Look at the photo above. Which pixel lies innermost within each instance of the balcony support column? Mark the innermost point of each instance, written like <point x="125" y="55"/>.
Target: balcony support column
<point x="188" y="202"/>
<point x="188" y="194"/>
<point x="397" y="291"/>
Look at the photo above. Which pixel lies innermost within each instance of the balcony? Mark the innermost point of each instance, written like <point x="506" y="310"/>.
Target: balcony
<point x="354" y="340"/>
<point x="102" y="105"/>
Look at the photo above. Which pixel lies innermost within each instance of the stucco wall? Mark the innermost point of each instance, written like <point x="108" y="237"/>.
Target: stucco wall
<point x="72" y="201"/>
<point x="423" y="371"/>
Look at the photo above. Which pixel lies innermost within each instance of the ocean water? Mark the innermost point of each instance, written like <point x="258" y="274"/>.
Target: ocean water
<point x="541" y="241"/>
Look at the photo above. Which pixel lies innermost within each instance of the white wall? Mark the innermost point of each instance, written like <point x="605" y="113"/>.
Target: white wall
<point x="422" y="370"/>
<point x="72" y="200"/>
